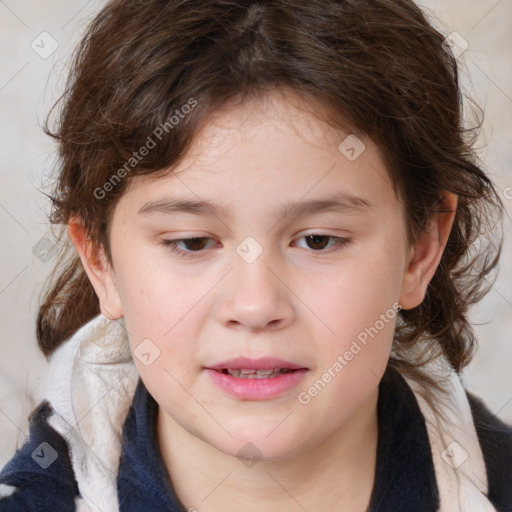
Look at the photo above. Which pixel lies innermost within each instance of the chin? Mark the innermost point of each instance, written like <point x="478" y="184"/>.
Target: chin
<point x="259" y="447"/>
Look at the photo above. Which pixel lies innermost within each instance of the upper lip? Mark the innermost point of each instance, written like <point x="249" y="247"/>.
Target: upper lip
<point x="247" y="363"/>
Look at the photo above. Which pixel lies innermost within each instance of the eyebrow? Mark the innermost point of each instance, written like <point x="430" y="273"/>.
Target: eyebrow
<point x="342" y="202"/>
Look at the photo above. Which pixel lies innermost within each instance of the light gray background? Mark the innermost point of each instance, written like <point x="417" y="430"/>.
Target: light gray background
<point x="30" y="84"/>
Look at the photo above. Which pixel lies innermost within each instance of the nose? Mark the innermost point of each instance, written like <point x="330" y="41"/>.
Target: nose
<point x="257" y="297"/>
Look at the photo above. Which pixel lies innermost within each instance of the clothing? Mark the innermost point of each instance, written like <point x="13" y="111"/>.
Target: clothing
<point x="405" y="479"/>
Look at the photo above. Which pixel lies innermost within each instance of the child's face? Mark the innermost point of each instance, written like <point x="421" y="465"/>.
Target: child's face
<point x="304" y="301"/>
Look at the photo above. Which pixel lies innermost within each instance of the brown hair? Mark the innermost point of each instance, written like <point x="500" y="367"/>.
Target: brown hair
<point x="376" y="66"/>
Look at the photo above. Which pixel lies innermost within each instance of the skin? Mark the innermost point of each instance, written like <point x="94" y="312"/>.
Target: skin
<point x="301" y="302"/>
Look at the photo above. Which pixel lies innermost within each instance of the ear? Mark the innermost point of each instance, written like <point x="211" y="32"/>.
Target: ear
<point x="425" y="255"/>
<point x="97" y="268"/>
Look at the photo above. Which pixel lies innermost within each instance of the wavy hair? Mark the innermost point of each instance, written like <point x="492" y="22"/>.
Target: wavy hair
<point x="379" y="67"/>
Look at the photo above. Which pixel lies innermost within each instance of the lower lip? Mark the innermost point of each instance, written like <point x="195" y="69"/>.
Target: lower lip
<point x="256" y="389"/>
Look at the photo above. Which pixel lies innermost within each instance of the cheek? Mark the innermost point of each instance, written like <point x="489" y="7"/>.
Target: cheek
<point x="358" y="306"/>
<point x="354" y="297"/>
<point x="151" y="296"/>
<point x="353" y="362"/>
<point x="164" y="350"/>
<point x="159" y="315"/>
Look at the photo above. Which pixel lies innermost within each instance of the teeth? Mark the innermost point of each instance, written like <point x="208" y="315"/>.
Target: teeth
<point x="250" y="372"/>
<point x="256" y="374"/>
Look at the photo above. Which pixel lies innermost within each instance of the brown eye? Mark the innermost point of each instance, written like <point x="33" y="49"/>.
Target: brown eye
<point x="192" y="245"/>
<point x="319" y="242"/>
<point x="195" y="244"/>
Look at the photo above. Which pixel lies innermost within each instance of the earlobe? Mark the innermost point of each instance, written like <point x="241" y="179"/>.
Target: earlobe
<point x="97" y="268"/>
<point x="424" y="257"/>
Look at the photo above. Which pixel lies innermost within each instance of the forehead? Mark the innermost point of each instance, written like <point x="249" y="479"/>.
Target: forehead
<point x="271" y="152"/>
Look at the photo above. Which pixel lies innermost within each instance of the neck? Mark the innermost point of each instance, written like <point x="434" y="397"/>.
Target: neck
<point x="336" y="474"/>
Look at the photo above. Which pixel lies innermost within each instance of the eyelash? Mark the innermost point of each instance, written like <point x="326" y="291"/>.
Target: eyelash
<point x="171" y="245"/>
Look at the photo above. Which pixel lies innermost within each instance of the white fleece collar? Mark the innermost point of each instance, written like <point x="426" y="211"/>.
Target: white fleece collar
<point x="96" y="362"/>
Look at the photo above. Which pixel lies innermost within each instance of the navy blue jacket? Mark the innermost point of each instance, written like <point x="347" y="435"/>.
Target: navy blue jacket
<point x="404" y="477"/>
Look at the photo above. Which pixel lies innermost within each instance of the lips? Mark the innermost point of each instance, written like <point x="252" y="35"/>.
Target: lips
<point x="253" y="384"/>
<point x="252" y="365"/>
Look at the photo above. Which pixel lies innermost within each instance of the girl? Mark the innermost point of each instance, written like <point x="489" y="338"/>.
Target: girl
<point x="272" y="210"/>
